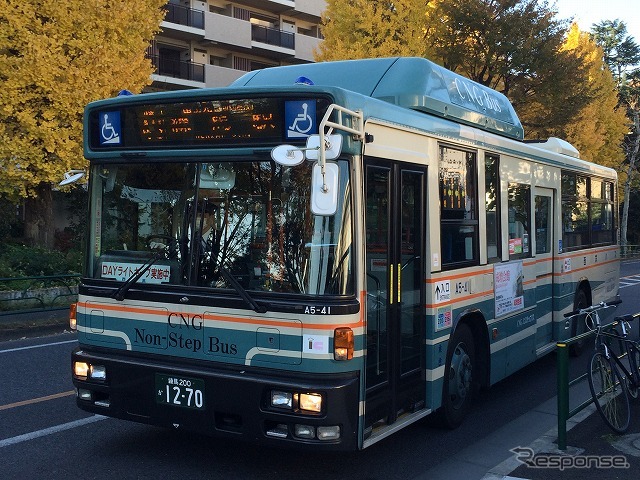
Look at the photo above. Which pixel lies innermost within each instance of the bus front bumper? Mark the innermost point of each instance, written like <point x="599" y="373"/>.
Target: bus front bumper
<point x="317" y="411"/>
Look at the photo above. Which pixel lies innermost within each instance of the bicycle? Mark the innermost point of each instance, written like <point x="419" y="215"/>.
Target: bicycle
<point x="610" y="381"/>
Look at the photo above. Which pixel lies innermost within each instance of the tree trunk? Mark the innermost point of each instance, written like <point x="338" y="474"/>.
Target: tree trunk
<point x="39" y="228"/>
<point x="633" y="156"/>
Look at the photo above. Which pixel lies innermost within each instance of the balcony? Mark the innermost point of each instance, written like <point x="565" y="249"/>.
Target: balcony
<point x="184" y="16"/>
<point x="227" y="31"/>
<point x="305" y="47"/>
<point x="305" y="9"/>
<point x="274" y="38"/>
<point x="189" y="74"/>
<point x="275" y="6"/>
<point x="184" y="23"/>
<point x="221" y="76"/>
<point x="311" y="9"/>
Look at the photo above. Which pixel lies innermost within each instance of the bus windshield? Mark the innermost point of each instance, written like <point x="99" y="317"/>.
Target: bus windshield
<point x="250" y="218"/>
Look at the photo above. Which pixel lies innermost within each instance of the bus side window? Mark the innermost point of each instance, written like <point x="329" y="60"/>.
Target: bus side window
<point x="519" y="206"/>
<point x="458" y="208"/>
<point x="588" y="213"/>
<point x="492" y="208"/>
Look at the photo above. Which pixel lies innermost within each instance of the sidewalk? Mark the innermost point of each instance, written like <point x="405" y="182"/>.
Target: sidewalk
<point x="590" y="443"/>
<point x="18" y="324"/>
<point x="593" y="452"/>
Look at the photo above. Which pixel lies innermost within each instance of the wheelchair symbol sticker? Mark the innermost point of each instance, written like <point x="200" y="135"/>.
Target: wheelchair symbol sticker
<point x="110" y="128"/>
<point x="300" y="118"/>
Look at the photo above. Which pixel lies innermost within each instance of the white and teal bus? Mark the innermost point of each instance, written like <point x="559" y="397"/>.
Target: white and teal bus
<point x="319" y="255"/>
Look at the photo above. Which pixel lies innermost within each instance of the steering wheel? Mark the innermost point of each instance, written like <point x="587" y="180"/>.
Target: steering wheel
<point x="161" y="242"/>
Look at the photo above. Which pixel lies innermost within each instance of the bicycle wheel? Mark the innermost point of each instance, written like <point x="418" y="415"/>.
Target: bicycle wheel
<point x="609" y="392"/>
<point x="617" y="346"/>
<point x="633" y="384"/>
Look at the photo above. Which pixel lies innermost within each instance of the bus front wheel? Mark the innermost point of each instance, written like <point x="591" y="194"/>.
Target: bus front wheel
<point x="458" y="387"/>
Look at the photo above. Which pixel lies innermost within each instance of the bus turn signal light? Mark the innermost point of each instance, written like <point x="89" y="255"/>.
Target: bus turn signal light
<point x="73" y="309"/>
<point x="343" y="343"/>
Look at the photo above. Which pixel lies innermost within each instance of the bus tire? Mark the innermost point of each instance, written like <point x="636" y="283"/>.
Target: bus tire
<point x="581" y="301"/>
<point x="459" y="387"/>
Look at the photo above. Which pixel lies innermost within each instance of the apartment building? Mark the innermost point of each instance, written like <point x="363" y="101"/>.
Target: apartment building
<point x="211" y="43"/>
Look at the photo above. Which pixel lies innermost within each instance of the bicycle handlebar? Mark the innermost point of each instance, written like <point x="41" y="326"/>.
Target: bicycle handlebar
<point x="595" y="307"/>
<point x="630" y="317"/>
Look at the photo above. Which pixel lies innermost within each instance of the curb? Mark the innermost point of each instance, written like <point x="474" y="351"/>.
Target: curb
<point x="19" y="324"/>
<point x="547" y="443"/>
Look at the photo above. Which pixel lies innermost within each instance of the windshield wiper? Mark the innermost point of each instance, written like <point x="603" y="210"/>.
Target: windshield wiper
<point x="241" y="291"/>
<point x="122" y="290"/>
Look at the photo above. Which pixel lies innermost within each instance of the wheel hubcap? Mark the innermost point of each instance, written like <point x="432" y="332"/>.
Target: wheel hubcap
<point x="460" y="376"/>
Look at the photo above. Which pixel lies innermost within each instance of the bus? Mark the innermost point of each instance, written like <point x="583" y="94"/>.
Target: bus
<point x="319" y="255"/>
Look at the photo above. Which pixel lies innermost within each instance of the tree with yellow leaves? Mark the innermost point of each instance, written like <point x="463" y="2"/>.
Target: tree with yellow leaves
<point x="622" y="55"/>
<point x="598" y="130"/>
<point x="372" y="29"/>
<point x="515" y="47"/>
<point x="55" y="57"/>
<point x="550" y="72"/>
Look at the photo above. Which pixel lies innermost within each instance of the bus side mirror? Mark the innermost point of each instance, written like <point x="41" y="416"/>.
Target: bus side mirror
<point x="324" y="191"/>
<point x="332" y="147"/>
<point x="324" y="177"/>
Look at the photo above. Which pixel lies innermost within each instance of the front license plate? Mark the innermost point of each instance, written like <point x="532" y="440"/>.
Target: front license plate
<point x="180" y="391"/>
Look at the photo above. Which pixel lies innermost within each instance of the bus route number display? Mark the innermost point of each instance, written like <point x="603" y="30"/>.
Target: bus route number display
<point x="211" y="121"/>
<point x="195" y="123"/>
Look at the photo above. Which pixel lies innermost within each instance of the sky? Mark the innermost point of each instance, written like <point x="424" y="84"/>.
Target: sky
<point x="588" y="12"/>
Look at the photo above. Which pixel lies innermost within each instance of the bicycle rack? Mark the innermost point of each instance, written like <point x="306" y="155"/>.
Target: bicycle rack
<point x="564" y="385"/>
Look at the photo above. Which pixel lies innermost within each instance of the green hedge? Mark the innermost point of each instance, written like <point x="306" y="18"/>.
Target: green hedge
<point x="21" y="261"/>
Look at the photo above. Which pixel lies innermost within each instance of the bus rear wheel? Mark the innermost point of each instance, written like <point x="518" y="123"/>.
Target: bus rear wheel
<point x="459" y="386"/>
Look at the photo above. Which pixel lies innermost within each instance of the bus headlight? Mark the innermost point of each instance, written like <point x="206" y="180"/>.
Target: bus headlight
<point x="81" y="370"/>
<point x="311" y="402"/>
<point x="84" y="394"/>
<point x="98" y="372"/>
<point x="305" y="431"/>
<point x="329" y="433"/>
<point x="304" y="403"/>
<point x="281" y="399"/>
<point x="84" y="371"/>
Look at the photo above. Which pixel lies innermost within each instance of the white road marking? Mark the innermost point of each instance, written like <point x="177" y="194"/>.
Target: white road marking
<point x="51" y="430"/>
<point x="36" y="346"/>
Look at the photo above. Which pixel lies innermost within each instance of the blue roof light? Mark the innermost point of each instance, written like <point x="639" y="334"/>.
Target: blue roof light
<point x="304" y="81"/>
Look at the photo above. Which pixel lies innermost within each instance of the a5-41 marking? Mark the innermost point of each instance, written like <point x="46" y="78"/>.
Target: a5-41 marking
<point x="313" y="310"/>
<point x="463" y="287"/>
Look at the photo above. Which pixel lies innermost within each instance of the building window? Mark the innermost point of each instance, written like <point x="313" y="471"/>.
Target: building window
<point x="241" y="13"/>
<point x="248" y="65"/>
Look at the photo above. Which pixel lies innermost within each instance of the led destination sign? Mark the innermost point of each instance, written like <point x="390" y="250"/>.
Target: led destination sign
<point x="195" y="124"/>
<point x="208" y="122"/>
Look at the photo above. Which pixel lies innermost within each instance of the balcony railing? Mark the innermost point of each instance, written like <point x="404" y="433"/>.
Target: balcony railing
<point x="184" y="16"/>
<point x="178" y="69"/>
<point x="271" y="36"/>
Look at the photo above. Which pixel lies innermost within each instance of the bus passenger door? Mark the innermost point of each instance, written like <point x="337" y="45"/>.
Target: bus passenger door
<point x="544" y="250"/>
<point x="395" y="236"/>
